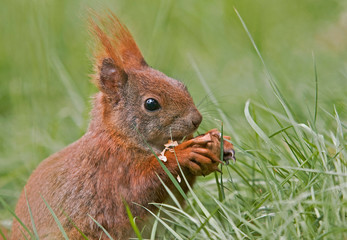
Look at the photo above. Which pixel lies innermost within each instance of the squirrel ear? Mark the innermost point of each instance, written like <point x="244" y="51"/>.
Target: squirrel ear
<point x="112" y="78"/>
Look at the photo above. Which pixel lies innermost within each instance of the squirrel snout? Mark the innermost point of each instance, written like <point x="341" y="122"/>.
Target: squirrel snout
<point x="196" y="120"/>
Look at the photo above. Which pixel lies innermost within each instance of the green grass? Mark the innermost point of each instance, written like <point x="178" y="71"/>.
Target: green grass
<point x="281" y="94"/>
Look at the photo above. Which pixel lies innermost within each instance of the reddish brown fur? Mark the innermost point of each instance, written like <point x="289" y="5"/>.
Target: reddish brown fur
<point x="112" y="161"/>
<point x="5" y="232"/>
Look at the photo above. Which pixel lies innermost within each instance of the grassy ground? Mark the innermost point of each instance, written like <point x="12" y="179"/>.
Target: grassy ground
<point x="290" y="178"/>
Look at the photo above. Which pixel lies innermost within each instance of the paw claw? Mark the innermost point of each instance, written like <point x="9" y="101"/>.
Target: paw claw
<point x="229" y="154"/>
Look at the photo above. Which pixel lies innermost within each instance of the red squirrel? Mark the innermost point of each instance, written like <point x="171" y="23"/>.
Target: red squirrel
<point x="137" y="110"/>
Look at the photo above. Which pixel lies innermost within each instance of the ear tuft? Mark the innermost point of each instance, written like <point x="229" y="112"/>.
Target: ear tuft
<point x="116" y="41"/>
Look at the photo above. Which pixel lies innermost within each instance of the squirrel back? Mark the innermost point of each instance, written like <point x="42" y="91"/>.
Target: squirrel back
<point x="137" y="110"/>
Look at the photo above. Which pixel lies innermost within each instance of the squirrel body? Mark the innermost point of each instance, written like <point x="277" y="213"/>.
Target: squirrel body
<point x="137" y="111"/>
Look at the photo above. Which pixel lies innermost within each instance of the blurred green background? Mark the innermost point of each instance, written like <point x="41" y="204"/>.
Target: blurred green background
<point x="45" y="62"/>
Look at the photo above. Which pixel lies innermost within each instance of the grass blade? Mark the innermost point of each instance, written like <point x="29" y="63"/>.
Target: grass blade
<point x="155" y="226"/>
<point x="55" y="218"/>
<point x="132" y="221"/>
<point x="316" y="91"/>
<point x="2" y="235"/>
<point x="74" y="225"/>
<point x="173" y="232"/>
<point x="31" y="216"/>
<point x="222" y="159"/>
<point x="102" y="228"/>
<point x="4" y="204"/>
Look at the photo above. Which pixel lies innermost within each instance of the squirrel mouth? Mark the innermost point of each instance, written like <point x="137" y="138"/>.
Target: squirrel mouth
<point x="182" y="138"/>
<point x="179" y="138"/>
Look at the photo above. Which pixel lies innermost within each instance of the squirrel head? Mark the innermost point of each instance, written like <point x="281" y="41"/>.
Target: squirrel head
<point x="137" y="101"/>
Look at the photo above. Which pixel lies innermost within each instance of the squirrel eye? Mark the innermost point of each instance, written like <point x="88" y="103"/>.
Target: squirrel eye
<point x="151" y="104"/>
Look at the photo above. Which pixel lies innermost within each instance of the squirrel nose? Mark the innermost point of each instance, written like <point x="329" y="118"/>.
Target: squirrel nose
<point x="197" y="118"/>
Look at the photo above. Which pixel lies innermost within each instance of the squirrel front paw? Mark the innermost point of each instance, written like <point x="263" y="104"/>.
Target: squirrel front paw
<point x="228" y="148"/>
<point x="201" y="155"/>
